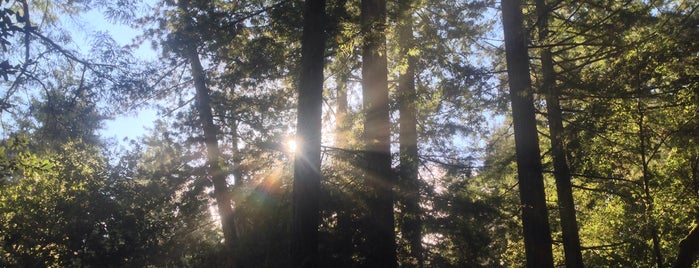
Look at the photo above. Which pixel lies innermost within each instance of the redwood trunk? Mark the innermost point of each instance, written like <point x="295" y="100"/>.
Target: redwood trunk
<point x="215" y="172"/>
<point x="561" y="170"/>
<point x="380" y="241"/>
<point x="689" y="249"/>
<point x="307" y="159"/>
<point x="411" y="222"/>
<point x="536" y="231"/>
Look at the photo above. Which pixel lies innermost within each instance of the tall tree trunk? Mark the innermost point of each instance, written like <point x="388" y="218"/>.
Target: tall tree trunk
<point x="345" y="223"/>
<point x="561" y="170"/>
<point x="307" y="159"/>
<point x="689" y="249"/>
<point x="689" y="246"/>
<point x="344" y="214"/>
<point x="218" y="177"/>
<point x="341" y="124"/>
<point x="203" y="106"/>
<point x="537" y="234"/>
<point x="411" y="222"/>
<point x="380" y="236"/>
<point x="647" y="196"/>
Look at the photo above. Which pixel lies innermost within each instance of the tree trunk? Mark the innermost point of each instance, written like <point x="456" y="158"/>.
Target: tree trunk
<point x="341" y="124"/>
<point x="411" y="222"/>
<point x="689" y="246"/>
<point x="647" y="196"/>
<point x="218" y="177"/>
<point x="237" y="169"/>
<point x="537" y="234"/>
<point x="689" y="249"/>
<point x="307" y="159"/>
<point x="213" y="162"/>
<point x="345" y="224"/>
<point x="380" y="241"/>
<point x="561" y="170"/>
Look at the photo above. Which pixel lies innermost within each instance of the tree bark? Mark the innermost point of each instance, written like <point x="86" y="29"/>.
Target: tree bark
<point x="689" y="246"/>
<point x="380" y="241"/>
<point x="536" y="231"/>
<point x="689" y="249"/>
<point x="213" y="162"/>
<point x="215" y="172"/>
<point x="561" y="170"/>
<point x="341" y="124"/>
<point x="307" y="176"/>
<point x="409" y="185"/>
<point x="346" y="225"/>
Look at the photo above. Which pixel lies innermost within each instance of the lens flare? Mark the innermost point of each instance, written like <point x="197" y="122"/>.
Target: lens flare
<point x="291" y="145"/>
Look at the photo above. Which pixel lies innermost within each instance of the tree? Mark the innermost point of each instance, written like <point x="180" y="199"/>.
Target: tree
<point x="409" y="189"/>
<point x="49" y="212"/>
<point x="561" y="170"/>
<point x="621" y="85"/>
<point x="617" y="81"/>
<point x="537" y="234"/>
<point x="160" y="209"/>
<point x="203" y="104"/>
<point x="380" y="241"/>
<point x="689" y="249"/>
<point x="307" y="157"/>
<point x="340" y="210"/>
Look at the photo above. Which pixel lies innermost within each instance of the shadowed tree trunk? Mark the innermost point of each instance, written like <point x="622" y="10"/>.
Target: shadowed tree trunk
<point x="411" y="222"/>
<point x="646" y="181"/>
<point x="343" y="73"/>
<point x="689" y="246"/>
<point x="218" y="177"/>
<point x="561" y="170"/>
<point x="341" y="124"/>
<point x="345" y="224"/>
<point x="306" y="193"/>
<point x="213" y="162"/>
<point x="689" y="249"/>
<point x="536" y="231"/>
<point x="380" y="241"/>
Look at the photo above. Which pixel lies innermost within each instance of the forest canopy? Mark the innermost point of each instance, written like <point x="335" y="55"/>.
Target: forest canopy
<point x="350" y="133"/>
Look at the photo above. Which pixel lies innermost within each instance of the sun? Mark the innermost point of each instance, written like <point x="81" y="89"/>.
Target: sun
<point x="291" y="145"/>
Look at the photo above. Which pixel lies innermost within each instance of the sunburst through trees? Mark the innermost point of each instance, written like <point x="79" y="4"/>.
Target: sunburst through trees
<point x="350" y="133"/>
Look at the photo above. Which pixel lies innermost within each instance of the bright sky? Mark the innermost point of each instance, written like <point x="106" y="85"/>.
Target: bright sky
<point x="132" y="125"/>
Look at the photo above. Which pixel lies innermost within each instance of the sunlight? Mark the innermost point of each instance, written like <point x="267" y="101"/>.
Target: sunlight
<point x="291" y="145"/>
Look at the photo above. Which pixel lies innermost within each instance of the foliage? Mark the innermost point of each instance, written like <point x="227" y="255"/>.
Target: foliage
<point x="628" y="73"/>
